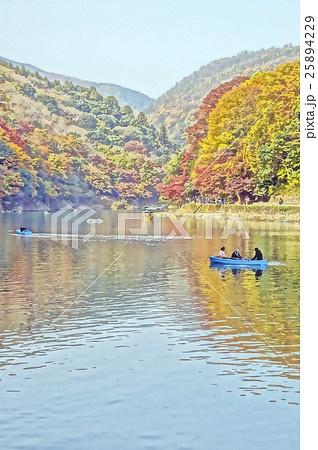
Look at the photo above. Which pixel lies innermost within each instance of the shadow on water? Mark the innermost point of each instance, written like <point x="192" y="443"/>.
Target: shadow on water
<point x="236" y="271"/>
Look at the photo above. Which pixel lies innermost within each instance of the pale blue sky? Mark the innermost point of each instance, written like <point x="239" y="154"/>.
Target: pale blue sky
<point x="139" y="44"/>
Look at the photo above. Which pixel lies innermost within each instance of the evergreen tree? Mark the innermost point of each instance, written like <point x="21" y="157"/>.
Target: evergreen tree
<point x="162" y="136"/>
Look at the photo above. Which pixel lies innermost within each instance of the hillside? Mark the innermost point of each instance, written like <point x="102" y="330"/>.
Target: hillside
<point x="124" y="96"/>
<point x="176" y="107"/>
<point x="64" y="143"/>
<point x="245" y="143"/>
<point x="68" y="144"/>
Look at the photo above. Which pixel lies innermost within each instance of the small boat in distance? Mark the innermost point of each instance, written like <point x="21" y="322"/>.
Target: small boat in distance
<point x="24" y="232"/>
<point x="214" y="260"/>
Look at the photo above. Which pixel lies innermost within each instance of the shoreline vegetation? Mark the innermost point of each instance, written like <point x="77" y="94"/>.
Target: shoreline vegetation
<point x="255" y="211"/>
<point x="272" y="212"/>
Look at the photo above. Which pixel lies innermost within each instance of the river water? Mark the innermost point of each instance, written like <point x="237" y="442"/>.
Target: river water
<point x="134" y="342"/>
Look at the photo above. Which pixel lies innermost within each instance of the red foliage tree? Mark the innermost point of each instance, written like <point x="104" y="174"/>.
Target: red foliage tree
<point x="176" y="186"/>
<point x="199" y="129"/>
<point x="25" y="128"/>
<point x="136" y="147"/>
<point x="13" y="136"/>
<point x="233" y="180"/>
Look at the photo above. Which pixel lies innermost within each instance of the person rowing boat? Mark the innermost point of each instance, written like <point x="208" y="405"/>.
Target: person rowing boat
<point x="236" y="254"/>
<point x="258" y="255"/>
<point x="23" y="231"/>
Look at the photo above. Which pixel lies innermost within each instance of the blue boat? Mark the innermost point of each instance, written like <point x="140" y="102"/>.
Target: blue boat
<point x="23" y="233"/>
<point x="215" y="261"/>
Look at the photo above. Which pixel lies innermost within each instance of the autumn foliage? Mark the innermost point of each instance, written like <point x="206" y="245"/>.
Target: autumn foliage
<point x="176" y="185"/>
<point x="245" y="142"/>
<point x="242" y="143"/>
<point x="80" y="147"/>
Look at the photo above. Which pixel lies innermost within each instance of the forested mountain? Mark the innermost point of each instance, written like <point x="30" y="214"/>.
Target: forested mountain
<point x="66" y="143"/>
<point x="124" y="96"/>
<point x="244" y="143"/>
<point x="177" y="106"/>
<point x="61" y="142"/>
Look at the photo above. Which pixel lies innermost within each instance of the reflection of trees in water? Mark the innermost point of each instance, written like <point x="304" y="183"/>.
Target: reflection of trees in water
<point x="46" y="276"/>
<point x="267" y="300"/>
<point x="39" y="284"/>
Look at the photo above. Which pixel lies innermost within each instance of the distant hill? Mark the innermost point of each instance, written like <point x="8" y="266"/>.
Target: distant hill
<point x="175" y="109"/>
<point x="64" y="143"/>
<point x="124" y="96"/>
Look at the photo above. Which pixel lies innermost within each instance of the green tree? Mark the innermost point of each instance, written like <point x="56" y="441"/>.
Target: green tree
<point x="87" y="121"/>
<point x="141" y="122"/>
<point x="163" y="136"/>
<point x="5" y="151"/>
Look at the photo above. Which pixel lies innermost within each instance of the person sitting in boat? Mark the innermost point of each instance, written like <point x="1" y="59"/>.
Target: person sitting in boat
<point x="258" y="255"/>
<point x="236" y="254"/>
<point x="22" y="228"/>
<point x="222" y="254"/>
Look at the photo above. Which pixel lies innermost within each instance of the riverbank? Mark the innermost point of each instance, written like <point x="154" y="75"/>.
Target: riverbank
<point x="261" y="212"/>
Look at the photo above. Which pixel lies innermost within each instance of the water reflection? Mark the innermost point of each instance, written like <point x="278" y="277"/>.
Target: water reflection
<point x="154" y="326"/>
<point x="39" y="277"/>
<point x="235" y="270"/>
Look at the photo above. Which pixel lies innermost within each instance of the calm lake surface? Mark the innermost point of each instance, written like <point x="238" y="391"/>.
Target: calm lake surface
<point x="147" y="354"/>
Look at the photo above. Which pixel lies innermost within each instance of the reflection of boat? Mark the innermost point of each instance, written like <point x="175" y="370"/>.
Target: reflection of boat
<point x="24" y="233"/>
<point x="237" y="263"/>
<point x="236" y="270"/>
